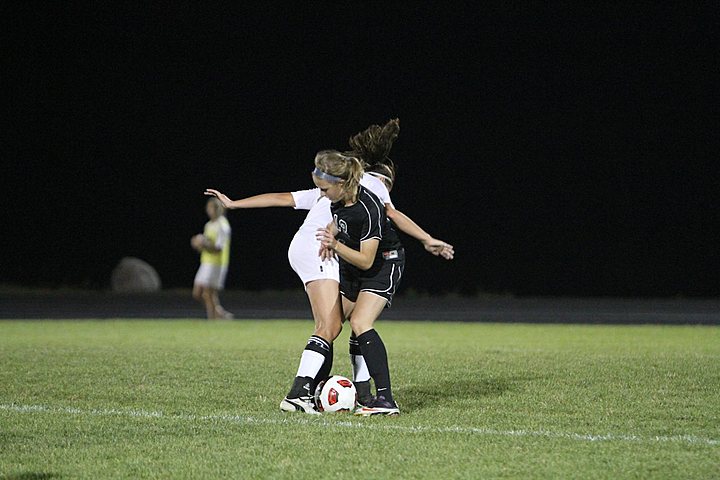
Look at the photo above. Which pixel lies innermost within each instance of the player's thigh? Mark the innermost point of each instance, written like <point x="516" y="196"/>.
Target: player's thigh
<point x="367" y="309"/>
<point x="348" y="307"/>
<point x="324" y="296"/>
<point x="210" y="276"/>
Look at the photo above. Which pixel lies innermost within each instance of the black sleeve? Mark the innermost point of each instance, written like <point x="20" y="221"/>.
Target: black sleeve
<point x="372" y="223"/>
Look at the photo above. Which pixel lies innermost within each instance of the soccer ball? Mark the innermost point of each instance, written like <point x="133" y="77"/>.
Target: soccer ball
<point x="335" y="394"/>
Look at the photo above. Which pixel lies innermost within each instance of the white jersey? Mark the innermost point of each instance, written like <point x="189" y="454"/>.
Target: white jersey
<point x="304" y="248"/>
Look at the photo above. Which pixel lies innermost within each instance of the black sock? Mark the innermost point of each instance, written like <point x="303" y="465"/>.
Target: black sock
<point x="363" y="392"/>
<point x="354" y="345"/>
<point x="373" y="349"/>
<point x="313" y="358"/>
<point x="362" y="387"/>
<point x="302" y="387"/>
<point x="325" y="370"/>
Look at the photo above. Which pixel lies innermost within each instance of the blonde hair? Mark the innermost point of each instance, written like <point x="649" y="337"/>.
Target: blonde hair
<point x="339" y="165"/>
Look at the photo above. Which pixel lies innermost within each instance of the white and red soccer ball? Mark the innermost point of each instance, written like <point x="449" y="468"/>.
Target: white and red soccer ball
<point x="335" y="394"/>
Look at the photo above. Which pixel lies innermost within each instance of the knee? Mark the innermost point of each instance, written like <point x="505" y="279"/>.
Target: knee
<point x="197" y="293"/>
<point x="359" y="326"/>
<point x="328" y="330"/>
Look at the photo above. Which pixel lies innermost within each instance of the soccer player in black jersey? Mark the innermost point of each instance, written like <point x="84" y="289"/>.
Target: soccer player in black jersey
<point x="371" y="147"/>
<point x="371" y="263"/>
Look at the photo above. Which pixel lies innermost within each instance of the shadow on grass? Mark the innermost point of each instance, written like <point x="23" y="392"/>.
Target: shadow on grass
<point x="29" y="476"/>
<point x="438" y="393"/>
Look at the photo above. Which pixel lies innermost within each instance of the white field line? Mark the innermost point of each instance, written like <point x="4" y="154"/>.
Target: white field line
<point x="297" y="419"/>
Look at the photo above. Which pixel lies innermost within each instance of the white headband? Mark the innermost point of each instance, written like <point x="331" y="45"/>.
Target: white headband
<point x="380" y="175"/>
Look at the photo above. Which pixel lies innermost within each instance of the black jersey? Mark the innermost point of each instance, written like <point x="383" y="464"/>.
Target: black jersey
<point x="365" y="220"/>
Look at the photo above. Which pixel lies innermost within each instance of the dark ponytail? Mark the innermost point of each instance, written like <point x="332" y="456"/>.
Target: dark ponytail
<point x="372" y="146"/>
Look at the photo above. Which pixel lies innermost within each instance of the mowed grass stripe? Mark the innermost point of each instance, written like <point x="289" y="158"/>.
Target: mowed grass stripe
<point x="328" y="423"/>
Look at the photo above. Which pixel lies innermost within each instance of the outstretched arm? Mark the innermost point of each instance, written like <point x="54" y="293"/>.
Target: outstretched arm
<point x="406" y="225"/>
<point x="257" y="201"/>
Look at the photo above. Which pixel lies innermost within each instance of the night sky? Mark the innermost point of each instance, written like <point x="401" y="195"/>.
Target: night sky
<point x="563" y="151"/>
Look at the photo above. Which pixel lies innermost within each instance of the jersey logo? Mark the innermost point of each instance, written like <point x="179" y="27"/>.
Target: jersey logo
<point x="390" y="255"/>
<point x="341" y="224"/>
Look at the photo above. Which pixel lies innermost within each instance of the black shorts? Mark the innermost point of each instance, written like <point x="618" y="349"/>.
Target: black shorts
<point x="381" y="281"/>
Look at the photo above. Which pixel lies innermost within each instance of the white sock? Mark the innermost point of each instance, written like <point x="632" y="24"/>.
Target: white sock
<point x="310" y="364"/>
<point x="360" y="369"/>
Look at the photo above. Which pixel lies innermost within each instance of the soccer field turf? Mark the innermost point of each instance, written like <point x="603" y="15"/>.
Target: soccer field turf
<point x="192" y="399"/>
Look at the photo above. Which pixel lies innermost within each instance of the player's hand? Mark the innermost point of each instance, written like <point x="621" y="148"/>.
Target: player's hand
<point x="447" y="252"/>
<point x="220" y="196"/>
<point x="439" y="248"/>
<point x="326" y="253"/>
<point x="332" y="228"/>
<point x="326" y="238"/>
<point x="197" y="242"/>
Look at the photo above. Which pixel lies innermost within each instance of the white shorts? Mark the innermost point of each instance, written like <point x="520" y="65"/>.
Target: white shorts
<point x="304" y="259"/>
<point x="212" y="276"/>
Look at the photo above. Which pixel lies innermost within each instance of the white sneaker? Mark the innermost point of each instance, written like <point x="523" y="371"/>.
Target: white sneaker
<point x="300" y="404"/>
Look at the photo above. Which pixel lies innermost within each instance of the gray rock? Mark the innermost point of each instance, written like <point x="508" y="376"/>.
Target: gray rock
<point x="134" y="275"/>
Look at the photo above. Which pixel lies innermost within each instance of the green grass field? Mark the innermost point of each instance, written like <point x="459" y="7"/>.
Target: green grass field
<point x="191" y="399"/>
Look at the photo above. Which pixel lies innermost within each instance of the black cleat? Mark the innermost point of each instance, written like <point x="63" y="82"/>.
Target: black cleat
<point x="379" y="406"/>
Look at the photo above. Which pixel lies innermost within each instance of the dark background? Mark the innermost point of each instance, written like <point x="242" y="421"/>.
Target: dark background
<point x="563" y="151"/>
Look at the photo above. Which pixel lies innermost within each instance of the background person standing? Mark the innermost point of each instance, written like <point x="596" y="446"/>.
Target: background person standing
<point x="214" y="247"/>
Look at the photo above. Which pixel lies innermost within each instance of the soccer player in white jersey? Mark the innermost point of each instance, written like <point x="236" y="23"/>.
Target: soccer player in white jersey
<point x="214" y="247"/>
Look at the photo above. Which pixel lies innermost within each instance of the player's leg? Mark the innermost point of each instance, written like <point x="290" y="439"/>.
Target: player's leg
<point x="324" y="296"/>
<point x="316" y="359"/>
<point x="367" y="309"/>
<point x="348" y="307"/>
<point x="361" y="375"/>
<point x="218" y="283"/>
<point x="202" y="294"/>
<point x="209" y="294"/>
<point x="220" y="312"/>
<point x="205" y="278"/>
<point x="325" y="302"/>
<point x="199" y="284"/>
<point x="323" y="290"/>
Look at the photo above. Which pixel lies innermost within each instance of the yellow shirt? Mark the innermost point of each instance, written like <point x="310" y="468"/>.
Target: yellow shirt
<point x="217" y="232"/>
